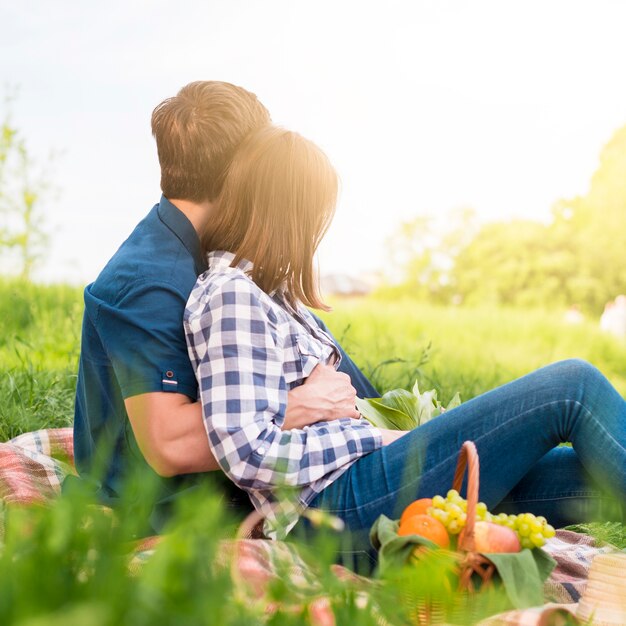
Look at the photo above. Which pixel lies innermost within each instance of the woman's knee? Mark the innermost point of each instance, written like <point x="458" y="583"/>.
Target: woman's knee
<point x="579" y="371"/>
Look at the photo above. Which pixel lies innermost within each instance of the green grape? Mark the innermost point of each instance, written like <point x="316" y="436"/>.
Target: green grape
<point x="454" y="528"/>
<point x="451" y="511"/>
<point x="454" y="510"/>
<point x="548" y="531"/>
<point x="442" y="516"/>
<point x="439" y="502"/>
<point x="481" y="509"/>
<point x="527" y="543"/>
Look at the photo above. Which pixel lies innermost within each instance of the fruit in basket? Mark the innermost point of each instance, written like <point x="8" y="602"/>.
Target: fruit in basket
<point x="425" y="526"/>
<point x="490" y="537"/>
<point x="419" y="507"/>
<point x="451" y="510"/>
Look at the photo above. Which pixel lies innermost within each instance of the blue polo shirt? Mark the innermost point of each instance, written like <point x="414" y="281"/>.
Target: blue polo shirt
<point x="133" y="342"/>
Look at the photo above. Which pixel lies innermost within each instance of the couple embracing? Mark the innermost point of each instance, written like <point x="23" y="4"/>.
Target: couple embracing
<point x="200" y="358"/>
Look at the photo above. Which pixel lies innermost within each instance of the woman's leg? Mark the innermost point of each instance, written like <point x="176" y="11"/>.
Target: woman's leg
<point x="513" y="427"/>
<point x="560" y="488"/>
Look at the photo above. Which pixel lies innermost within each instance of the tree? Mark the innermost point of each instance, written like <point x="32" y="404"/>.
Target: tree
<point x="424" y="250"/>
<point x="23" y="185"/>
<point x="595" y="223"/>
<point x="579" y="258"/>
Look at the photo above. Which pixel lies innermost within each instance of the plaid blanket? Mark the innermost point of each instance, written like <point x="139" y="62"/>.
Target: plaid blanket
<point x="33" y="466"/>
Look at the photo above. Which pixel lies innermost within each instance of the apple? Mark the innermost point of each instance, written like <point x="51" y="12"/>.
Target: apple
<point x="490" y="538"/>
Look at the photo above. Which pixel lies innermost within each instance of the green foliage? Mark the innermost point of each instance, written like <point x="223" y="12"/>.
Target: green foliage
<point x="425" y="247"/>
<point x="516" y="263"/>
<point x="400" y="409"/>
<point x="23" y="186"/>
<point x="609" y="532"/>
<point x="39" y="346"/>
<point x="69" y="564"/>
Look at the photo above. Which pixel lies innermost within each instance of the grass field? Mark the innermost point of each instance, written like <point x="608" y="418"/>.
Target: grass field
<point x="449" y="349"/>
<point x="61" y="566"/>
<point x="469" y="350"/>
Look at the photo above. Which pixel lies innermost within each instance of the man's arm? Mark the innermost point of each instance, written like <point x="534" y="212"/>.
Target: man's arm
<point x="170" y="433"/>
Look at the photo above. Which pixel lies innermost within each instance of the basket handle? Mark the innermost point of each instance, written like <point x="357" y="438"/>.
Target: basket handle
<point x="251" y="527"/>
<point x="468" y="458"/>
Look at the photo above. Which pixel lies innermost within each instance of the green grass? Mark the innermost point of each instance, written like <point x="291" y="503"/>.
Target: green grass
<point x="470" y="350"/>
<point x="39" y="346"/>
<point x="67" y="564"/>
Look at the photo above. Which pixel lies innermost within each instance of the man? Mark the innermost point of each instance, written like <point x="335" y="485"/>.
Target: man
<point x="136" y="398"/>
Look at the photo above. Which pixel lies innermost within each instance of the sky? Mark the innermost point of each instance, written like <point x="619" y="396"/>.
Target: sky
<point x="422" y="106"/>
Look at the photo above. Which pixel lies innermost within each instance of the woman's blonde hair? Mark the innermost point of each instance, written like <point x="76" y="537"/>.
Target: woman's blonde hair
<point x="276" y="204"/>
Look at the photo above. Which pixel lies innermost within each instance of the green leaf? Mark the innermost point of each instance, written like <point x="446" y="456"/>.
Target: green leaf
<point x="522" y="574"/>
<point x="428" y="406"/>
<point x="382" y="416"/>
<point x="456" y="401"/>
<point x="404" y="401"/>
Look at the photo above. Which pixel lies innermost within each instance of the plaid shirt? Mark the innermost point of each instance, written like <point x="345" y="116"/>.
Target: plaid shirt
<point x="249" y="349"/>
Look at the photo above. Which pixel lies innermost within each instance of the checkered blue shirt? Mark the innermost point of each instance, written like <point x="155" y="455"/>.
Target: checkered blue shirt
<point x="249" y="349"/>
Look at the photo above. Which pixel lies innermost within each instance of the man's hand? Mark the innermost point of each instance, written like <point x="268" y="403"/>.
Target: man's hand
<point x="325" y="395"/>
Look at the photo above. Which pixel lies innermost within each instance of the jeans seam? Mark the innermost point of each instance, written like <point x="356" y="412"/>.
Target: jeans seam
<point x="572" y="496"/>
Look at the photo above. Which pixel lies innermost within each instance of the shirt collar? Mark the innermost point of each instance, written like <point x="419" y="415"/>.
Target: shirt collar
<point x="178" y="223"/>
<point x="221" y="259"/>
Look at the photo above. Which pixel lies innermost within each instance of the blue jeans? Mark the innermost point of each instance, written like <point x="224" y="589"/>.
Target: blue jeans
<point x="516" y="428"/>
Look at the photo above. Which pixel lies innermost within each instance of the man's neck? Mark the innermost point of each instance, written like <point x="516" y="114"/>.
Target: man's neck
<point x="196" y="212"/>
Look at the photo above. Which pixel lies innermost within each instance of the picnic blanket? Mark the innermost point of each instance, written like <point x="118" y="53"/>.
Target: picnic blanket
<point x="33" y="466"/>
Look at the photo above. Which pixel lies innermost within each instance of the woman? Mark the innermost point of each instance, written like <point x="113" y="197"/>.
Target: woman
<point x="251" y="340"/>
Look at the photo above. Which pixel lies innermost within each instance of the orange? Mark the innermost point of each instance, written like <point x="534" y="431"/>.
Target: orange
<point x="419" y="507"/>
<point x="427" y="527"/>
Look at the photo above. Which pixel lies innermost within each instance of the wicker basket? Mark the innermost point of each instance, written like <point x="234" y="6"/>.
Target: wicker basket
<point x="475" y="572"/>
<point x="472" y="562"/>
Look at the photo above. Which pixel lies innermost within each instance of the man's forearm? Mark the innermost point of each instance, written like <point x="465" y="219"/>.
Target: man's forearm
<point x="170" y="433"/>
<point x="189" y="444"/>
